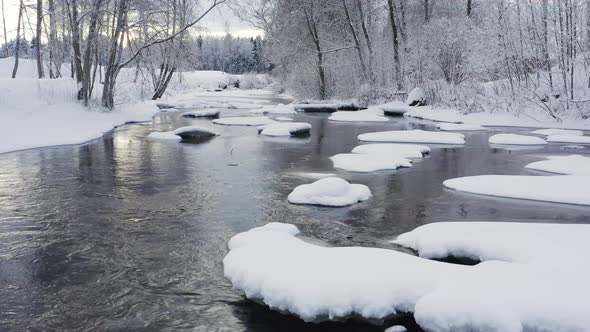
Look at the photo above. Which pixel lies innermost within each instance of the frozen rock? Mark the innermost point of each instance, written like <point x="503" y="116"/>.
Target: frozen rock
<point x="330" y="191"/>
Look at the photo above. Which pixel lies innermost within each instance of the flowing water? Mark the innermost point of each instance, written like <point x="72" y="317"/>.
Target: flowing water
<point x="125" y="233"/>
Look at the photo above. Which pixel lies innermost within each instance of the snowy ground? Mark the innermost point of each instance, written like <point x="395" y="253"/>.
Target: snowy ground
<point x="38" y="113"/>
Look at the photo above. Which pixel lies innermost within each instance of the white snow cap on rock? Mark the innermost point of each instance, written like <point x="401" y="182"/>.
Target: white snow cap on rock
<point x="317" y="283"/>
<point x="283" y="118"/>
<point x="365" y="163"/>
<point x="330" y="191"/>
<point x="568" y="189"/>
<point x="164" y="135"/>
<point x="504" y="241"/>
<point x="514" y="139"/>
<point x="414" y="136"/>
<point x="458" y="127"/>
<point x="396" y="328"/>
<point x="206" y="113"/>
<point x="569" y="139"/>
<point x="551" y="132"/>
<point x="285" y="129"/>
<point x="394" y="108"/>
<point x="393" y="149"/>
<point x="417" y="97"/>
<point x="370" y="115"/>
<point x="570" y="165"/>
<point x="244" y="121"/>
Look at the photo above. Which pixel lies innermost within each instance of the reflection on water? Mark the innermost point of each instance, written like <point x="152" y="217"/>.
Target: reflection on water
<point x="126" y="233"/>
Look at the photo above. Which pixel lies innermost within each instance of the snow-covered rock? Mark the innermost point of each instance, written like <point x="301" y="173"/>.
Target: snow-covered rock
<point x="569" y="139"/>
<point x="569" y="165"/>
<point x="396" y="328"/>
<point x="365" y="163"/>
<point x="394" y="108"/>
<point x="316" y="283"/>
<point x="206" y="113"/>
<point x="392" y="149"/>
<point x="370" y="115"/>
<point x="568" y="189"/>
<point x="330" y="191"/>
<point x="514" y="139"/>
<point x="552" y="132"/>
<point x="324" y="108"/>
<point x="504" y="241"/>
<point x="285" y="129"/>
<point x="414" y="136"/>
<point x="417" y="97"/>
<point x="187" y="133"/>
<point x="458" y="127"/>
<point x="244" y="121"/>
<point x="164" y="135"/>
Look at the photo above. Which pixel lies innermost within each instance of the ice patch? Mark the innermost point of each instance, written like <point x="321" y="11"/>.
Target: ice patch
<point x="569" y="165"/>
<point x="414" y="136"/>
<point x="458" y="127"/>
<point x="568" y="189"/>
<point x="514" y="139"/>
<point x="552" y="132"/>
<point x="370" y="115"/>
<point x="569" y="139"/>
<point x="244" y="121"/>
<point x="330" y="191"/>
<point x="399" y="150"/>
<point x="275" y="109"/>
<point x="365" y="163"/>
<point x="285" y="129"/>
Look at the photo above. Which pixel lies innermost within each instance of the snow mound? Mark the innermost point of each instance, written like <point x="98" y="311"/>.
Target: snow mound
<point x="330" y="191"/>
<point x="417" y="97"/>
<point x="414" y="136"/>
<point x="206" y="113"/>
<point x="552" y="132"/>
<point x="394" y="108"/>
<point x="458" y="127"/>
<point x="396" y="328"/>
<point x="569" y="165"/>
<point x="242" y="239"/>
<point x="568" y="189"/>
<point x="399" y="150"/>
<point x="244" y="121"/>
<point x="285" y="129"/>
<point x="370" y="115"/>
<point x="275" y="109"/>
<point x="511" y="242"/>
<point x="569" y="139"/>
<point x="514" y="139"/>
<point x="365" y="163"/>
<point x="282" y="118"/>
<point x="200" y="105"/>
<point x="317" y="283"/>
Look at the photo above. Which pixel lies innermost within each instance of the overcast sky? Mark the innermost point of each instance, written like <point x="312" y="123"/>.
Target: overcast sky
<point x="215" y="22"/>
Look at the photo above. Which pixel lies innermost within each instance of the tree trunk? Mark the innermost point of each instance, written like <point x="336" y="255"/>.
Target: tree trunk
<point x="356" y="40"/>
<point x="395" y="41"/>
<point x="426" y="11"/>
<point x="546" y="60"/>
<point x="77" y="58"/>
<point x="90" y="45"/>
<point x="17" y="43"/>
<point x="38" y="39"/>
<point x="5" y="34"/>
<point x="469" y="7"/>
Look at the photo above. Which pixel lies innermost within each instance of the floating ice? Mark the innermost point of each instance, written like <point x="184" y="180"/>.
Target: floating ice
<point x="514" y="139"/>
<point x="570" y="165"/>
<point x="414" y="136"/>
<point x="364" y="163"/>
<point x="244" y="121"/>
<point x="399" y="150"/>
<point x="285" y="129"/>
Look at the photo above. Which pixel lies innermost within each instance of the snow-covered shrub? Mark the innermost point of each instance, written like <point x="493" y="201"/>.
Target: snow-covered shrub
<point x="254" y="81"/>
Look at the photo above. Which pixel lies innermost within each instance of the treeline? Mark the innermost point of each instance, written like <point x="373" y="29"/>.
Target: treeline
<point x="98" y="39"/>
<point x="377" y="49"/>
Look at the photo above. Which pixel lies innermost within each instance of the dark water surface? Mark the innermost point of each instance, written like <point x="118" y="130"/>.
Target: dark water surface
<point x="128" y="234"/>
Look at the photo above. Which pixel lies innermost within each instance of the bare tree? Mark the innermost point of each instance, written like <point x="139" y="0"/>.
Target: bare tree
<point x="17" y="42"/>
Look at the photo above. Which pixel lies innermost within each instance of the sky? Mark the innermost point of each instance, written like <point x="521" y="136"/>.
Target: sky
<point x="215" y="22"/>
